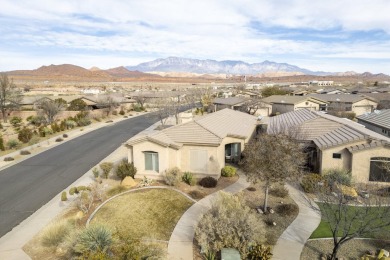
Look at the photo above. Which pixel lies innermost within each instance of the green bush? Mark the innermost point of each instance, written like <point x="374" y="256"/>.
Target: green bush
<point x="208" y="182"/>
<point x="15" y="121"/>
<point x="124" y="169"/>
<point x="36" y="120"/>
<point x="56" y="233"/>
<point x="95" y="172"/>
<point x="25" y="135"/>
<point x="70" y="124"/>
<point x="106" y="168"/>
<point x="188" y="178"/>
<point x="228" y="171"/>
<point x="340" y="176"/>
<point x="259" y="252"/>
<point x="13" y="144"/>
<point x="287" y="209"/>
<point x="279" y="191"/>
<point x="310" y="182"/>
<point x="2" y="143"/>
<point x="122" y="112"/>
<point x="93" y="239"/>
<point x="73" y="191"/>
<point x="55" y="127"/>
<point x="63" y="196"/>
<point x="172" y="176"/>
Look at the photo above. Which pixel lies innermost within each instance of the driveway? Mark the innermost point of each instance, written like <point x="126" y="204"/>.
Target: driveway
<point x="30" y="184"/>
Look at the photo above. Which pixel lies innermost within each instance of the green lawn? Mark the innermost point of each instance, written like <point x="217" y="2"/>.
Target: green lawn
<point x="149" y="213"/>
<point x="355" y="216"/>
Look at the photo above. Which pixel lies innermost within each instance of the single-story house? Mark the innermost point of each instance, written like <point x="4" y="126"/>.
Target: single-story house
<point x="377" y="121"/>
<point x="333" y="142"/>
<point x="234" y="103"/>
<point x="201" y="146"/>
<point x="350" y="103"/>
<point x="283" y="104"/>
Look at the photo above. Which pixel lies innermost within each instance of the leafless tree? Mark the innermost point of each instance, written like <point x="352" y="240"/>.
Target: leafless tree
<point x="141" y="99"/>
<point x="108" y="103"/>
<point x="10" y="96"/>
<point x="50" y="109"/>
<point x="163" y="109"/>
<point x="272" y="159"/>
<point x="251" y="106"/>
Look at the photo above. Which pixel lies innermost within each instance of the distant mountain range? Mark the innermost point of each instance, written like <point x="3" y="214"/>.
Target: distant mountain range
<point x="176" y="64"/>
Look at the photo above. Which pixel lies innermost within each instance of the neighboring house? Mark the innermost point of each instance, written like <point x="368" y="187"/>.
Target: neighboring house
<point x="378" y="121"/>
<point x="234" y="103"/>
<point x="350" y="103"/>
<point x="299" y="92"/>
<point x="201" y="146"/>
<point x="32" y="102"/>
<point x="283" y="104"/>
<point x="331" y="91"/>
<point x="333" y="142"/>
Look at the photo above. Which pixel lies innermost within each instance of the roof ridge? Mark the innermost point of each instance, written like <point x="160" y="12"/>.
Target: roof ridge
<point x="208" y="129"/>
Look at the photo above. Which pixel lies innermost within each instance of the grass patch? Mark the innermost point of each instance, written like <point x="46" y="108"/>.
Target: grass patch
<point x="144" y="214"/>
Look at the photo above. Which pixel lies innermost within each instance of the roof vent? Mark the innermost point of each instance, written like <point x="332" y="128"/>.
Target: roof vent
<point x="377" y="112"/>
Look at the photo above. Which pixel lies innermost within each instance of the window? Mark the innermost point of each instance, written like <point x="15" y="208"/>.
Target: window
<point x="379" y="169"/>
<point x="198" y="161"/>
<point x="384" y="131"/>
<point x="337" y="156"/>
<point x="151" y="161"/>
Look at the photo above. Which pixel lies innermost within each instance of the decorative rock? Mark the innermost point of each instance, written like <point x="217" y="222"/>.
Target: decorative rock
<point x="386" y="253"/>
<point x="273" y="223"/>
<point x="271" y="211"/>
<point x="79" y="215"/>
<point x="281" y="202"/>
<point x="128" y="182"/>
<point x="260" y="211"/>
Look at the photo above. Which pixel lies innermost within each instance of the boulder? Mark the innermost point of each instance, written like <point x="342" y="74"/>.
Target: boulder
<point x="128" y="182"/>
<point x="260" y="211"/>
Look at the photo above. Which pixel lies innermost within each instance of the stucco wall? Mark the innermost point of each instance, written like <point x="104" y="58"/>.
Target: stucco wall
<point x="364" y="106"/>
<point x="310" y="105"/>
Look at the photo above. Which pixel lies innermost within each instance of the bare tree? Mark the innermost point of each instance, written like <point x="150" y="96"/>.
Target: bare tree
<point x="50" y="109"/>
<point x="251" y="106"/>
<point x="108" y="103"/>
<point x="10" y="96"/>
<point x="141" y="99"/>
<point x="272" y="159"/>
<point x="163" y="109"/>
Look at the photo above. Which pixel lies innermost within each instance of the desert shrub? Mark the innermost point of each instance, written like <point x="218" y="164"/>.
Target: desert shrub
<point x="188" y="178"/>
<point x="1" y="125"/>
<point x="116" y="190"/>
<point x="251" y="188"/>
<point x="83" y="188"/>
<point x="114" y="113"/>
<point x="77" y="105"/>
<point x="196" y="194"/>
<point x="55" y="127"/>
<point x="310" y="182"/>
<point x="13" y="144"/>
<point x="25" y="135"/>
<point x="258" y="251"/>
<point x="208" y="182"/>
<point x="34" y="140"/>
<point x="122" y="112"/>
<point x="229" y="223"/>
<point x="93" y="239"/>
<point x="36" y="120"/>
<point x="56" y="233"/>
<point x="47" y="130"/>
<point x="172" y="176"/>
<point x="15" y="121"/>
<point x="65" y="136"/>
<point x="8" y="159"/>
<point x="25" y="152"/>
<point x="84" y="122"/>
<point x="279" y="191"/>
<point x="2" y="143"/>
<point x="73" y="191"/>
<point x="63" y="126"/>
<point x="287" y="209"/>
<point x="63" y="196"/>
<point x="145" y="182"/>
<point x="70" y="124"/>
<point x="340" y="176"/>
<point x="106" y="168"/>
<point x="59" y="139"/>
<point x="95" y="172"/>
<point x="124" y="168"/>
<point x="228" y="171"/>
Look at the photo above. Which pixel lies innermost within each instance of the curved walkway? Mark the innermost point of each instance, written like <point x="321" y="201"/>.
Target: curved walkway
<point x="181" y="241"/>
<point x="290" y="244"/>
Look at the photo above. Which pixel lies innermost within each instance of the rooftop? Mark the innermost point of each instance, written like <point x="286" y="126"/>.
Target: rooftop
<point x="230" y="101"/>
<point x="378" y="117"/>
<point x="350" y="98"/>
<point x="291" y="99"/>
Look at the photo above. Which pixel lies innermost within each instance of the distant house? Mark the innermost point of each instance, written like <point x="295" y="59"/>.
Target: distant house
<point x="200" y="146"/>
<point x="333" y="142"/>
<point x="283" y="104"/>
<point x="32" y="102"/>
<point x="252" y="106"/>
<point x="350" y="103"/>
<point x="378" y="121"/>
<point x="234" y="103"/>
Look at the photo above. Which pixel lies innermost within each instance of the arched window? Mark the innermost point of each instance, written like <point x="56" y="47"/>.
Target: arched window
<point x="151" y="161"/>
<point x="380" y="169"/>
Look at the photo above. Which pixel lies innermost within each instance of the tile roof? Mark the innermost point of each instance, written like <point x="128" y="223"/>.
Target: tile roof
<point x="378" y="96"/>
<point x="339" y="97"/>
<point x="291" y="99"/>
<point x="231" y="101"/>
<point x="378" y="117"/>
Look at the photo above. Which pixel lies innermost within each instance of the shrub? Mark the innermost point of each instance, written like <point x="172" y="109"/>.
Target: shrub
<point x="196" y="194"/>
<point x="228" y="171"/>
<point x="114" y="113"/>
<point x="73" y="191"/>
<point x="54" y="234"/>
<point x="172" y="176"/>
<point x="124" y="168"/>
<point x="122" y="112"/>
<point x="36" y="120"/>
<point x="188" y="178"/>
<point x="310" y="182"/>
<point x="62" y="126"/>
<point x="47" y="130"/>
<point x="13" y="144"/>
<point x="208" y="182"/>
<point x="106" y="168"/>
<point x="83" y="122"/>
<point x="55" y="127"/>
<point x="70" y="124"/>
<point x="25" y="152"/>
<point x="93" y="239"/>
<point x="34" y="140"/>
<point x="63" y="196"/>
<point x="258" y="251"/>
<point x="25" y="135"/>
<point x="2" y="143"/>
<point x="15" y="121"/>
<point x="59" y="139"/>
<point x="287" y="209"/>
<point x="340" y="176"/>
<point x="251" y="188"/>
<point x="95" y="172"/>
<point x="145" y="182"/>
<point x="65" y="136"/>
<point x="279" y="191"/>
<point x="8" y="159"/>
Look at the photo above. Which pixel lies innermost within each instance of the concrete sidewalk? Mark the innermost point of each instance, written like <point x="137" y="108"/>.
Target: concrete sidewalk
<point x="290" y="244"/>
<point x="181" y="241"/>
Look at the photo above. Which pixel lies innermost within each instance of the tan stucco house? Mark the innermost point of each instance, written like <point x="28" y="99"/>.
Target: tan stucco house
<point x="201" y="146"/>
<point x="283" y="104"/>
<point x="333" y="142"/>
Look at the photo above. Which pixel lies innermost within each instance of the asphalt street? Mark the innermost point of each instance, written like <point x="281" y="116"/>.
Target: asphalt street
<point x="30" y="184"/>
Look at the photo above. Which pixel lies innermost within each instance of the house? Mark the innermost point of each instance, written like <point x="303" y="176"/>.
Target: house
<point x="283" y="104"/>
<point x="333" y="142"/>
<point x="378" y="121"/>
<point x="358" y="104"/>
<point x="200" y="146"/>
<point x="32" y="102"/>
<point x="234" y="103"/>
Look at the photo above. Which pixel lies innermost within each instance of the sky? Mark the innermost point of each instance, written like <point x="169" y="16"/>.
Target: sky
<point x="331" y="35"/>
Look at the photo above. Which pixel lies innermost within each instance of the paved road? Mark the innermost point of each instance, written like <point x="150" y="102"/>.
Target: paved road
<point x="28" y="185"/>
